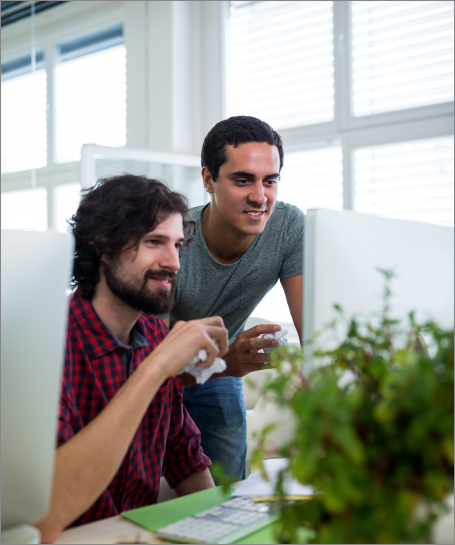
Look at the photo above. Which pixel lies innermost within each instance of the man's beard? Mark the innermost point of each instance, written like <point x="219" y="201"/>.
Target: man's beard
<point x="137" y="294"/>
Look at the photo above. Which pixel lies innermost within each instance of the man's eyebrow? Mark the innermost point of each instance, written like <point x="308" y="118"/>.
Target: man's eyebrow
<point x="163" y="237"/>
<point x="252" y="175"/>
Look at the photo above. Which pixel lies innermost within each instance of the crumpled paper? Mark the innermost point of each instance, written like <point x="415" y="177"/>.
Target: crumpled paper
<point x="280" y="336"/>
<point x="203" y="374"/>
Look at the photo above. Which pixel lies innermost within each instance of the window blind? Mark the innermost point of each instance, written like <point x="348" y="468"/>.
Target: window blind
<point x="409" y="180"/>
<point x="402" y="55"/>
<point x="91" y="93"/>
<point x="280" y="62"/>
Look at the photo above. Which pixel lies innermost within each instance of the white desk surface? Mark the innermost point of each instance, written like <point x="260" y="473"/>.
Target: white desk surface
<point x="110" y="530"/>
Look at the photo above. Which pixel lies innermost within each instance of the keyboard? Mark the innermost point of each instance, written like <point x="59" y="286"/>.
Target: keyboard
<point x="225" y="523"/>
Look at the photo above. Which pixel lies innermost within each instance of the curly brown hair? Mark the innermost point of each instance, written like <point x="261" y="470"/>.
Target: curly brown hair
<point x="114" y="214"/>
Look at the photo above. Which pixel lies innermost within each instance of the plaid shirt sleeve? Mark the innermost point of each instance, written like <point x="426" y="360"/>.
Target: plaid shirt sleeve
<point x="68" y="410"/>
<point x="184" y="455"/>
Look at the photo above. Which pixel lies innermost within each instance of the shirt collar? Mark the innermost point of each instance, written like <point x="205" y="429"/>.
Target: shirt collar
<point x="99" y="339"/>
<point x="138" y="337"/>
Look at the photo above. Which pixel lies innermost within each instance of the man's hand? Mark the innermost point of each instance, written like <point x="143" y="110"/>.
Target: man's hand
<point x="243" y="357"/>
<point x="184" y="342"/>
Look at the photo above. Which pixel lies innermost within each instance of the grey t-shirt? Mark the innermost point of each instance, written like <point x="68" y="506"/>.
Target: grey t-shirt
<point x="209" y="288"/>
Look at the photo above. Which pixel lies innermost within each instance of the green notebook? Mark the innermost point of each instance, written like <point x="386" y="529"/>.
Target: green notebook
<point x="154" y="517"/>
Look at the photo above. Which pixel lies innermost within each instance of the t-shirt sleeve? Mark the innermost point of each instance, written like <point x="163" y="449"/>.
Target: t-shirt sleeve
<point x="184" y="455"/>
<point x="293" y="259"/>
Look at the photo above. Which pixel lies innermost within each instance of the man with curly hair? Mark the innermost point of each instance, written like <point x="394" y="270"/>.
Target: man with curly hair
<point x="122" y="423"/>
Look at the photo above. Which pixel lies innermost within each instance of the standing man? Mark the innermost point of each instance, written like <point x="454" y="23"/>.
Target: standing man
<point x="245" y="241"/>
<point x="122" y="423"/>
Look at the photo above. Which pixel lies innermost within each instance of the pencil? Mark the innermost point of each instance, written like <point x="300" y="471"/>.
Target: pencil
<point x="259" y="499"/>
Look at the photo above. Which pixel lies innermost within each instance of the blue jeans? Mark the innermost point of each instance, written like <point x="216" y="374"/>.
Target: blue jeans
<point x="218" y="409"/>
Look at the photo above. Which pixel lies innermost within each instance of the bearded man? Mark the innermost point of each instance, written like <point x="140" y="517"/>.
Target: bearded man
<point x="122" y="423"/>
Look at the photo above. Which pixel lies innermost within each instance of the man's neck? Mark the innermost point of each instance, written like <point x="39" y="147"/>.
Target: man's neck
<point x="225" y="244"/>
<point x="118" y="317"/>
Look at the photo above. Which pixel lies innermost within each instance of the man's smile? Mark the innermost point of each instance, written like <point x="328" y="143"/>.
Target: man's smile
<point x="255" y="214"/>
<point x="162" y="282"/>
<point x="161" y="277"/>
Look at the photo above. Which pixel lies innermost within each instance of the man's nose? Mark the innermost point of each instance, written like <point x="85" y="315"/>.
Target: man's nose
<point x="257" y="194"/>
<point x="170" y="259"/>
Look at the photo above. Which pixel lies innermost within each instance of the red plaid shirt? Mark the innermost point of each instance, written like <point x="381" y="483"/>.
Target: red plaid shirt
<point x="167" y="439"/>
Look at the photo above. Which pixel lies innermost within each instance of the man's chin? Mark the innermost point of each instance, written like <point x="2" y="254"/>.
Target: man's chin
<point x="254" y="229"/>
<point x="160" y="302"/>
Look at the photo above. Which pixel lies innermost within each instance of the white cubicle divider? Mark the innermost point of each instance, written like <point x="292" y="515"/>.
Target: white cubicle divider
<point x="181" y="172"/>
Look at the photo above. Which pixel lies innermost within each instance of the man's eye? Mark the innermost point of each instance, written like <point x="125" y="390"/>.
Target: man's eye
<point x="242" y="182"/>
<point x="152" y="241"/>
<point x="271" y="182"/>
<point x="179" y="246"/>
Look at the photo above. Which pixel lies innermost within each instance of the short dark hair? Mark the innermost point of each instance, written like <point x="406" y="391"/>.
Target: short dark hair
<point x="236" y="130"/>
<point x="114" y="213"/>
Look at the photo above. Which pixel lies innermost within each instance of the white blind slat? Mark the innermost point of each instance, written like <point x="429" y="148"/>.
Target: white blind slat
<point x="408" y="180"/>
<point x="402" y="55"/>
<point x="290" y="45"/>
<point x="313" y="178"/>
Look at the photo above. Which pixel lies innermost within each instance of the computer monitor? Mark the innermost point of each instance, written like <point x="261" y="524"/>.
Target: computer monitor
<point x="35" y="273"/>
<point x="342" y="253"/>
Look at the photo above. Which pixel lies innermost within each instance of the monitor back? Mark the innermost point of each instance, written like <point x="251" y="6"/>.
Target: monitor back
<point x="343" y="251"/>
<point x="35" y="272"/>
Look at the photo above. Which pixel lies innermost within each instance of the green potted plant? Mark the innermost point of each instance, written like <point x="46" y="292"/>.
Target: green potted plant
<point x="378" y="448"/>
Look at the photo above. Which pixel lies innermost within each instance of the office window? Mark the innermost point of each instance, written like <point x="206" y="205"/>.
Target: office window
<point x="91" y="93"/>
<point x="409" y="180"/>
<point x="66" y="199"/>
<point x="23" y="114"/>
<point x="402" y="55"/>
<point x="313" y="178"/>
<point x="360" y="58"/>
<point x="25" y="209"/>
<point x="280" y="62"/>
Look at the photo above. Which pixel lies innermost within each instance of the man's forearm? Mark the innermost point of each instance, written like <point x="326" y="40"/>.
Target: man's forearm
<point x="86" y="464"/>
<point x="195" y="482"/>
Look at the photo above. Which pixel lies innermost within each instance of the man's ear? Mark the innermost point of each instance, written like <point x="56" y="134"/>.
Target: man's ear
<point x="207" y="179"/>
<point x="98" y="253"/>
